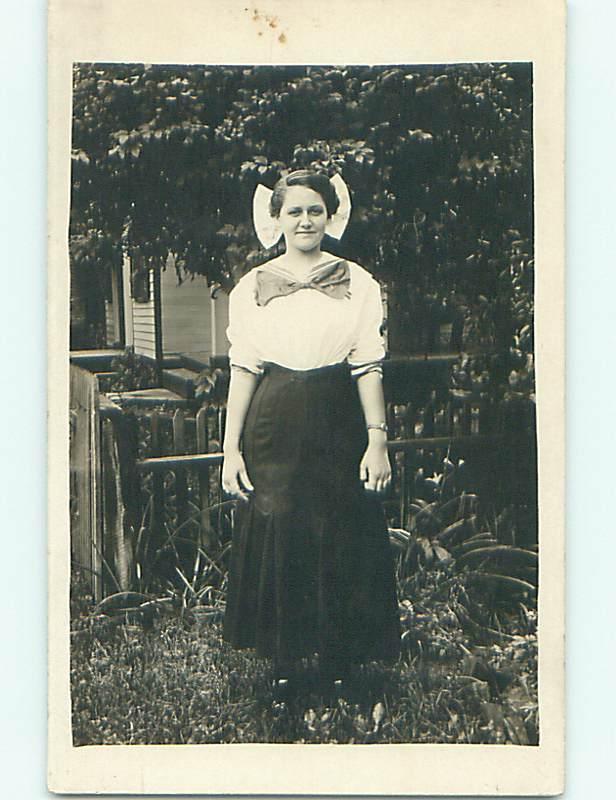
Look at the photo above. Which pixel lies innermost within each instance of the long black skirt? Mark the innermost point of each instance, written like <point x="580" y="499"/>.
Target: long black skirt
<point x="311" y="565"/>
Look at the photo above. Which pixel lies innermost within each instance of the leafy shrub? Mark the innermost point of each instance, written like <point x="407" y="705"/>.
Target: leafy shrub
<point x="132" y="371"/>
<point x="438" y="159"/>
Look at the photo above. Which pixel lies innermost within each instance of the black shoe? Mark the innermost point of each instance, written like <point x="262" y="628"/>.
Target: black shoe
<point x="341" y="689"/>
<point x="284" y="681"/>
<point x="334" y="685"/>
<point x="281" y="690"/>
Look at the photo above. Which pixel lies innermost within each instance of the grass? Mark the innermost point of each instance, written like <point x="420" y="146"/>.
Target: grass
<point x="176" y="682"/>
<point x="467" y="671"/>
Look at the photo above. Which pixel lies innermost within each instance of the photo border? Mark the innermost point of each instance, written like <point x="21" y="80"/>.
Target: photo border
<point x="357" y="32"/>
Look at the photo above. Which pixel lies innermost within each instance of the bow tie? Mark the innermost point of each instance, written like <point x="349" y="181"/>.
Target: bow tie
<point x="332" y="278"/>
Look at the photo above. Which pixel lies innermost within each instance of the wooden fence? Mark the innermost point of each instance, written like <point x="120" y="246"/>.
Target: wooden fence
<point x="419" y="438"/>
<point x="100" y="500"/>
<point x="153" y="480"/>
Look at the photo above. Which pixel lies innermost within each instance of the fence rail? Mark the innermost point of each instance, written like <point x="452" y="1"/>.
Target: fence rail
<point x="208" y="460"/>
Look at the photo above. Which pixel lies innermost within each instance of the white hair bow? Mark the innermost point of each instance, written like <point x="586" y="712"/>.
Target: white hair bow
<point x="268" y="229"/>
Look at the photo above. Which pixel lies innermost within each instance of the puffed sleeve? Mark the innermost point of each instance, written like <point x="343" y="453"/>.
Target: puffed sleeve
<point x="243" y="352"/>
<point x="368" y="351"/>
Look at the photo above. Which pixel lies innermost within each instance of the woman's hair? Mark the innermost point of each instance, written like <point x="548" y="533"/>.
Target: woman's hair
<point x="316" y="181"/>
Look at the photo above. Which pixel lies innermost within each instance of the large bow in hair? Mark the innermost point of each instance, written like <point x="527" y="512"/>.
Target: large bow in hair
<point x="332" y="278"/>
<point x="268" y="228"/>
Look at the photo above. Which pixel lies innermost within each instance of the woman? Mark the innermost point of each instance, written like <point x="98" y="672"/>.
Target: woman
<point x="305" y="449"/>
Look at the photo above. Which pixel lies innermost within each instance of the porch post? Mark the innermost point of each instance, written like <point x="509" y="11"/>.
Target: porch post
<point x="127" y="300"/>
<point x="158" y="322"/>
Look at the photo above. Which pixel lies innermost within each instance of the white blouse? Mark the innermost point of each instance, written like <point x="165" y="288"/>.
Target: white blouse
<point x="308" y="328"/>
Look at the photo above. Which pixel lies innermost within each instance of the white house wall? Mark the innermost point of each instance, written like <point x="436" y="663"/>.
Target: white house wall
<point x="144" y="336"/>
<point x="186" y="313"/>
<point x="110" y="331"/>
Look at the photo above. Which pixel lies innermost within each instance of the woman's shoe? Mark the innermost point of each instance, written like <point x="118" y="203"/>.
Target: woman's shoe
<point x="281" y="689"/>
<point x="334" y="685"/>
<point x="341" y="689"/>
<point x="283" y="683"/>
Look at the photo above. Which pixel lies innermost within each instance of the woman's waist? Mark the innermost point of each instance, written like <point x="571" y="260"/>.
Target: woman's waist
<point x="313" y="408"/>
<point x="339" y="369"/>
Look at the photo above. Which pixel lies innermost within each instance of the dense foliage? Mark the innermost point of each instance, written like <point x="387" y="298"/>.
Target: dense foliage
<point x="438" y="160"/>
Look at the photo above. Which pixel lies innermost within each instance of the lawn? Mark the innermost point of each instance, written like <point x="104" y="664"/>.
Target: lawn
<point x="174" y="681"/>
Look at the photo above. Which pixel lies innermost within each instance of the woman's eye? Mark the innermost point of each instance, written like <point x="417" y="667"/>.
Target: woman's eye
<point x="316" y="212"/>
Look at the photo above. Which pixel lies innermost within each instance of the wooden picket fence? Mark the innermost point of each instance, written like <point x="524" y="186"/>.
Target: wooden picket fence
<point x="421" y="438"/>
<point x="122" y="495"/>
<point x="204" y="466"/>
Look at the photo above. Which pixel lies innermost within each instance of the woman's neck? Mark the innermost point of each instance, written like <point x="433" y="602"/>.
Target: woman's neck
<point x="300" y="263"/>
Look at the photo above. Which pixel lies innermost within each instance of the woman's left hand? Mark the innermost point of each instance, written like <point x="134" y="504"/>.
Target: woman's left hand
<point x="375" y="469"/>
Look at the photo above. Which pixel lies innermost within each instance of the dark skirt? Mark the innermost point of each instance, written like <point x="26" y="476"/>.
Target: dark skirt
<point x="311" y="564"/>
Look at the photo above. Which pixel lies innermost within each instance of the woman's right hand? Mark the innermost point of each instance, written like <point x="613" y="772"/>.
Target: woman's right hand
<point x="235" y="478"/>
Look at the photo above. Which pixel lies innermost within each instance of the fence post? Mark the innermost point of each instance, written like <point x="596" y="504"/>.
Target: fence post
<point x="428" y="416"/>
<point x="406" y="471"/>
<point x="86" y="519"/>
<point x="116" y="546"/>
<point x="485" y="417"/>
<point x="179" y="448"/>
<point x="222" y="421"/>
<point x="96" y="493"/>
<point x="449" y="419"/>
<point x="204" y="480"/>
<point x="158" y="484"/>
<point x="467" y="418"/>
<point x="397" y="476"/>
<point x="409" y="421"/>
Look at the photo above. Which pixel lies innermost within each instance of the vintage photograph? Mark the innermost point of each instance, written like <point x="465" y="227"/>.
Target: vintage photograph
<point x="303" y="443"/>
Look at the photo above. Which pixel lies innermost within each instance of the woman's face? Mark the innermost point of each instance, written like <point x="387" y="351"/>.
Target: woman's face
<point x="303" y="218"/>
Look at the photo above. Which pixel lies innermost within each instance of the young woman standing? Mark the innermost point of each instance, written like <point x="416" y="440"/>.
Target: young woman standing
<point x="306" y="451"/>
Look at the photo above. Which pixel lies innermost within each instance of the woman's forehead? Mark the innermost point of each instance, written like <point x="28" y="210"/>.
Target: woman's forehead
<point x="301" y="195"/>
